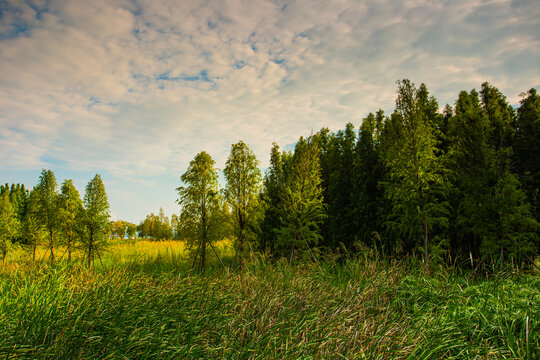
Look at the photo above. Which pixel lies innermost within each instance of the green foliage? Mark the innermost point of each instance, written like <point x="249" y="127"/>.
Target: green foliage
<point x="274" y="181"/>
<point x="302" y="204"/>
<point x="242" y="192"/>
<point x="69" y="210"/>
<point x="415" y="171"/>
<point x="9" y="225"/>
<point x="202" y="215"/>
<point x="33" y="230"/>
<point x="48" y="206"/>
<point x="154" y="226"/>
<point x="527" y="148"/>
<point x="95" y="219"/>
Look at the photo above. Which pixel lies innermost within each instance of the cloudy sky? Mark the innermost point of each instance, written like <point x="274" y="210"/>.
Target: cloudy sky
<point x="134" y="89"/>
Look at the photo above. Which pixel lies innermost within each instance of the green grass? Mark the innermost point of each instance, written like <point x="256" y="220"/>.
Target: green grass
<point x="154" y="307"/>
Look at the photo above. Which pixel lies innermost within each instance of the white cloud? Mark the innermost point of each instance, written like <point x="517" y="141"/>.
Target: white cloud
<point x="137" y="88"/>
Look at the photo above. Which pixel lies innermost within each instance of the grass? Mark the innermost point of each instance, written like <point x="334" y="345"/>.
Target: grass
<point x="150" y="306"/>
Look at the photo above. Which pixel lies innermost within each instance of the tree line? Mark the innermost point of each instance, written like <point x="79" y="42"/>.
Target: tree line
<point x="50" y="217"/>
<point x="461" y="184"/>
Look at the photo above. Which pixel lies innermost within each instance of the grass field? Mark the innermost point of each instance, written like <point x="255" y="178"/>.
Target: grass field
<point x="144" y="303"/>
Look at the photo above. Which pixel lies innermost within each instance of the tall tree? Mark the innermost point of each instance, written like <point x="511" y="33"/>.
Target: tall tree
<point x="527" y="148"/>
<point x="271" y="197"/>
<point x="368" y="172"/>
<point x="95" y="219"/>
<point x="340" y="187"/>
<point x="32" y="228"/>
<point x="48" y="206"/>
<point x="241" y="192"/>
<point x="303" y="209"/>
<point x="8" y="225"/>
<point x="69" y="211"/>
<point x="415" y="172"/>
<point x="199" y="199"/>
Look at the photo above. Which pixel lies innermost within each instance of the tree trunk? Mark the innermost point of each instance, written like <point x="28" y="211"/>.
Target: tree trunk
<point x="203" y="255"/>
<point x="34" y="254"/>
<point x="90" y="249"/>
<point x="4" y="253"/>
<point x="52" y="246"/>
<point x="426" y="238"/>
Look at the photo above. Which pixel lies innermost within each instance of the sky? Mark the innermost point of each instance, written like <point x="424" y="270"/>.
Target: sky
<point x="133" y="90"/>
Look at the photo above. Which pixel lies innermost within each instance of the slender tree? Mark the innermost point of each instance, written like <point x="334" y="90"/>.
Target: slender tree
<point x="199" y="199"/>
<point x="273" y="183"/>
<point x="70" y="209"/>
<point x="241" y="192"/>
<point x="95" y="219"/>
<point x="48" y="204"/>
<point x="8" y="225"/>
<point x="32" y="229"/>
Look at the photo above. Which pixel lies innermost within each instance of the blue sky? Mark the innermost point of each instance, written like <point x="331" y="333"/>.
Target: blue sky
<point x="134" y="89"/>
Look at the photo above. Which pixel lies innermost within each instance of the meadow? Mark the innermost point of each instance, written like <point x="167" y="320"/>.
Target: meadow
<point x="143" y="302"/>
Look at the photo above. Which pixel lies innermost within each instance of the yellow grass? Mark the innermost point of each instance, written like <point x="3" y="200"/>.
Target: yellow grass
<point x="121" y="252"/>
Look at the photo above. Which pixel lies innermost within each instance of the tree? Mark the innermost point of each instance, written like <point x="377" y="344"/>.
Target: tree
<point x="415" y="171"/>
<point x="131" y="230"/>
<point x="8" y="225"/>
<point x="368" y="173"/>
<point x="70" y="209"/>
<point x="527" y="148"/>
<point x="241" y="192"/>
<point x="200" y="212"/>
<point x="32" y="228"/>
<point x="48" y="206"/>
<point x="273" y="184"/>
<point x="302" y="209"/>
<point x="95" y="219"/>
<point x="119" y="229"/>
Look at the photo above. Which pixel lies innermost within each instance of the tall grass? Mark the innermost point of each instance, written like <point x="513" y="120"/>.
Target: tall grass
<point x="361" y="309"/>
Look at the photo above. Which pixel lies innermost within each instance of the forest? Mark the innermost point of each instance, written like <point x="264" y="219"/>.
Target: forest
<point x="416" y="212"/>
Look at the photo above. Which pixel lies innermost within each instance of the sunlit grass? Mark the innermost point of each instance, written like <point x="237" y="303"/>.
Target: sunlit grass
<point x="145" y="302"/>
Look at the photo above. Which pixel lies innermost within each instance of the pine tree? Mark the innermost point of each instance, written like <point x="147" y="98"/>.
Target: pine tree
<point x="415" y="172"/>
<point x="527" y="148"/>
<point x="273" y="183"/>
<point x="368" y="172"/>
<point x="302" y="204"/>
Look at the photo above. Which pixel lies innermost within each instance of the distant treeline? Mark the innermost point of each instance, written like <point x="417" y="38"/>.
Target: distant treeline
<point x="452" y="186"/>
<point x="48" y="217"/>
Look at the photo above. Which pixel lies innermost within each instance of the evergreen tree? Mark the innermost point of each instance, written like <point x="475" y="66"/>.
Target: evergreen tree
<point x="48" y="205"/>
<point x="303" y="209"/>
<point x="415" y="172"/>
<point x="241" y="192"/>
<point x="527" y="148"/>
<point x="368" y="172"/>
<point x="95" y="219"/>
<point x="273" y="184"/>
<point x="340" y="188"/>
